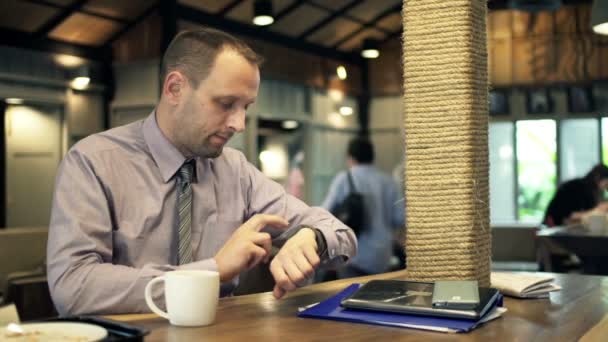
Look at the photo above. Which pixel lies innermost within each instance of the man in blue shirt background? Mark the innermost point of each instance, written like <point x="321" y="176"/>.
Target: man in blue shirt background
<point x="384" y="209"/>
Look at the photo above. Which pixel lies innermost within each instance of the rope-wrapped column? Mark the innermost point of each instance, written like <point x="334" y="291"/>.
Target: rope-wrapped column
<point x="446" y="127"/>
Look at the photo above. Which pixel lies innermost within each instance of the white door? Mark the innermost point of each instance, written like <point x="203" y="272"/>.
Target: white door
<point x="33" y="152"/>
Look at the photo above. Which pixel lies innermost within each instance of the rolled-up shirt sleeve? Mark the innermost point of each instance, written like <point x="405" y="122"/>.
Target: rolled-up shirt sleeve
<point x="82" y="278"/>
<point x="268" y="197"/>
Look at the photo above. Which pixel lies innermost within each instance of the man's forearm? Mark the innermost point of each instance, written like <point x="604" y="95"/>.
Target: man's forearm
<point x="102" y="288"/>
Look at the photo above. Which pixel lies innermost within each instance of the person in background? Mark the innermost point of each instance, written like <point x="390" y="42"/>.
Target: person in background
<point x="163" y="194"/>
<point x="578" y="198"/>
<point x="295" y="179"/>
<point x="384" y="209"/>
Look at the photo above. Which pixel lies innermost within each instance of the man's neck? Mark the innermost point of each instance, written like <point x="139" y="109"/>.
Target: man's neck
<point x="165" y="124"/>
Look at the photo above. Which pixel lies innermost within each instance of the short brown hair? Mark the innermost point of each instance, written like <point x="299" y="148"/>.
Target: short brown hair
<point x="193" y="53"/>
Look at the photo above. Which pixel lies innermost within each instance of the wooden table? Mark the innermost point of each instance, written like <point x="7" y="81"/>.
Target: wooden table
<point x="591" y="248"/>
<point x="567" y="316"/>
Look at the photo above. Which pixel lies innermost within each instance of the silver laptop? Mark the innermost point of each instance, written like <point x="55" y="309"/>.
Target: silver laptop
<point x="412" y="298"/>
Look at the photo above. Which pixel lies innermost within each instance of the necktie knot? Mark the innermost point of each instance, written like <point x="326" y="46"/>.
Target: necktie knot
<point x="186" y="172"/>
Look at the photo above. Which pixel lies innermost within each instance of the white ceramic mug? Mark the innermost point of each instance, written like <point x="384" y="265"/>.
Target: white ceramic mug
<point x="191" y="297"/>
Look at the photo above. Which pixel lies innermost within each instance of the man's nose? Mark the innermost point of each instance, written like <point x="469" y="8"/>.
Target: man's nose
<point x="236" y="121"/>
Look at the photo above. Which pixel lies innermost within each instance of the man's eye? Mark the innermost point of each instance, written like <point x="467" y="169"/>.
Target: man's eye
<point x="226" y="106"/>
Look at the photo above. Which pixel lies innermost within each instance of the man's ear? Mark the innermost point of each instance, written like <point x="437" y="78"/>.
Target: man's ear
<point x="174" y="86"/>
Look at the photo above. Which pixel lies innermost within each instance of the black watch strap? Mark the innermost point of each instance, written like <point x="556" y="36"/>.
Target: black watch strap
<point x="321" y="243"/>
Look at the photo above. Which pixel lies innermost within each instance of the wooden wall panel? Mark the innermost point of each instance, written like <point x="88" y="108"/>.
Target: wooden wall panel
<point x="142" y="42"/>
<point x="602" y="44"/>
<point x="500" y="64"/>
<point x="386" y="72"/>
<point x="522" y="55"/>
<point x="565" y="19"/>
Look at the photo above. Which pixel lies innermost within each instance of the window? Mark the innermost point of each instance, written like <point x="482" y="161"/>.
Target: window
<point x="579" y="147"/>
<point x="605" y="140"/>
<point x="536" y="167"/>
<point x="502" y="172"/>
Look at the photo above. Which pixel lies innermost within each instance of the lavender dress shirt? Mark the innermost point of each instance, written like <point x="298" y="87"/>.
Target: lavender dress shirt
<point x="114" y="220"/>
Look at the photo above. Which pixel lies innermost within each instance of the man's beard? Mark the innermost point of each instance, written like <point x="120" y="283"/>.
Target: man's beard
<point x="207" y="150"/>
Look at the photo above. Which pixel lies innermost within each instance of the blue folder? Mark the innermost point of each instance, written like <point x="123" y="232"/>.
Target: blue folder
<point x="331" y="309"/>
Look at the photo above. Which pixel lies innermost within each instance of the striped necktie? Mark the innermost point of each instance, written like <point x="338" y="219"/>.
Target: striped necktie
<point x="184" y="211"/>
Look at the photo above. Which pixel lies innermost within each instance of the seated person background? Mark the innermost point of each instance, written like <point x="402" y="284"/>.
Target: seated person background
<point x="578" y="198"/>
<point x="163" y="194"/>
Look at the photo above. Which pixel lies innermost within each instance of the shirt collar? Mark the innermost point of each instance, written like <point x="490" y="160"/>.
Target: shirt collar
<point x="166" y="156"/>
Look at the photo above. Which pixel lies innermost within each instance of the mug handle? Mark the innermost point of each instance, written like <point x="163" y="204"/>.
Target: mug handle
<point x="149" y="299"/>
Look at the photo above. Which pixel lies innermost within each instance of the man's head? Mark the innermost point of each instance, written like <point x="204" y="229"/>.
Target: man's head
<point x="209" y="79"/>
<point x="361" y="151"/>
<point x="599" y="176"/>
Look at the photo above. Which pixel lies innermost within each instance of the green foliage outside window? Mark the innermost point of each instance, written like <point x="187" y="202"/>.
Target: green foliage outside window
<point x="536" y="170"/>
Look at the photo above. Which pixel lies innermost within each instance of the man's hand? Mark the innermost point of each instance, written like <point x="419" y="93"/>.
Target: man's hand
<point x="247" y="246"/>
<point x="295" y="262"/>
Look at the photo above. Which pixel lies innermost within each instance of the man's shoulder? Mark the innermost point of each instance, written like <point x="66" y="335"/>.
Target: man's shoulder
<point x="117" y="139"/>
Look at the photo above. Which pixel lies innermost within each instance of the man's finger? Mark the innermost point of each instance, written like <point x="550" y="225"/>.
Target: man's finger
<point x="312" y="256"/>
<point x="264" y="240"/>
<point x="296" y="277"/>
<point x="259" y="221"/>
<point x="278" y="292"/>
<point x="304" y="266"/>
<point x="257" y="255"/>
<point x="281" y="278"/>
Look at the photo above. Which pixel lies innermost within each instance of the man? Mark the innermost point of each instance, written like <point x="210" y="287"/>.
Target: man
<point x="578" y="198"/>
<point x="163" y="194"/>
<point x="384" y="209"/>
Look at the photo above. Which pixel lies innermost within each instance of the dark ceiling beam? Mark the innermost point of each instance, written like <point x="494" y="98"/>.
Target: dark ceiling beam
<point x="168" y="18"/>
<point x="393" y="35"/>
<point x="82" y="10"/>
<point x="59" y="18"/>
<point x="288" y="9"/>
<point x="130" y="25"/>
<point x="344" y="15"/>
<point x="371" y="23"/>
<point x="505" y="4"/>
<point x="204" y="18"/>
<point x="338" y="13"/>
<point x="24" y="40"/>
<point x="229" y="7"/>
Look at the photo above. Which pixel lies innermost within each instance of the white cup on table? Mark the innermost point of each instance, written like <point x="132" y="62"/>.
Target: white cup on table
<point x="191" y="297"/>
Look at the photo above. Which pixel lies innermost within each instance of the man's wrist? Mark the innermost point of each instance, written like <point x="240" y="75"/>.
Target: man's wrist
<point x="321" y="242"/>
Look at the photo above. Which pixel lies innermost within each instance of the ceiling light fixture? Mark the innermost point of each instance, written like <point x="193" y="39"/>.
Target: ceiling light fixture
<point x="341" y="71"/>
<point x="599" y="17"/>
<point x="262" y="13"/>
<point x="14" y="101"/>
<point x="82" y="78"/>
<point x="370" y="48"/>
<point x="290" y="124"/>
<point x="346" y="110"/>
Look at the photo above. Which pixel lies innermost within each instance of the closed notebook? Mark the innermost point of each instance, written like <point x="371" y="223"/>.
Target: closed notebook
<point x="332" y="310"/>
<point x="413" y="298"/>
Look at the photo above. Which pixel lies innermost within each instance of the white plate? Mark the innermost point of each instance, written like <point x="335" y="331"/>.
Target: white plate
<point x="56" y="331"/>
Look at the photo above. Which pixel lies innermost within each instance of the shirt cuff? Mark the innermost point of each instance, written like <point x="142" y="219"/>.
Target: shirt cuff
<point x="333" y="249"/>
